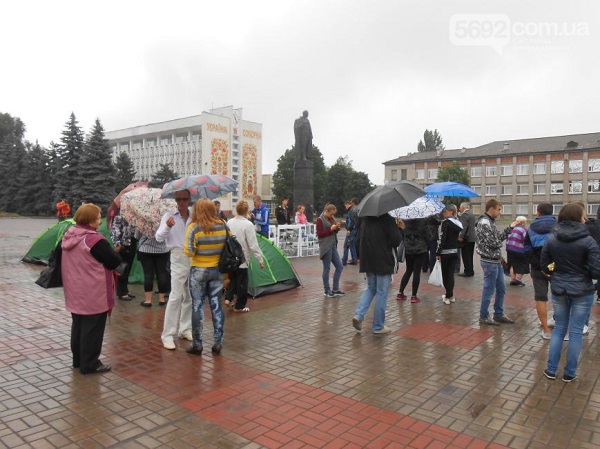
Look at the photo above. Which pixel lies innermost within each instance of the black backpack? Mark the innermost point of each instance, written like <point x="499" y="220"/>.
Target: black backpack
<point x="232" y="255"/>
<point x="51" y="276"/>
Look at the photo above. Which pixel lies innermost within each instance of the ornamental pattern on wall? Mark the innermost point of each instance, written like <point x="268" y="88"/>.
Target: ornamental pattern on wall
<point x="249" y="157"/>
<point x="219" y="157"/>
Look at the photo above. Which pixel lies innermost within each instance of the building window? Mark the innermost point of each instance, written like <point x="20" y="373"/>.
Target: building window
<point x="136" y="145"/>
<point x="575" y="186"/>
<point x="124" y="146"/>
<point x="475" y="172"/>
<point x="394" y="176"/>
<point x="594" y="165"/>
<point x="522" y="189"/>
<point x="490" y="170"/>
<point x="556" y="188"/>
<point x="522" y="169"/>
<point x="522" y="209"/>
<point x="556" y="209"/>
<point x="150" y="142"/>
<point x="507" y="209"/>
<point x="165" y="140"/>
<point x="539" y="168"/>
<point x="432" y="173"/>
<point x="505" y="170"/>
<point x="491" y="190"/>
<point x="196" y="137"/>
<point x="506" y="189"/>
<point x="181" y="138"/>
<point x="539" y="188"/>
<point x="557" y="167"/>
<point x="403" y="174"/>
<point x="420" y="173"/>
<point x="477" y="188"/>
<point x="576" y="166"/>
<point x="592" y="209"/>
<point x="594" y="186"/>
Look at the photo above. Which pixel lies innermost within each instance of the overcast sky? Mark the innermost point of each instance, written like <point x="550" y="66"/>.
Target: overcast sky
<point x="372" y="74"/>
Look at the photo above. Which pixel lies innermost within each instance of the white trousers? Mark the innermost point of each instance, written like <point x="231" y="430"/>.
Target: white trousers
<point x="179" y="306"/>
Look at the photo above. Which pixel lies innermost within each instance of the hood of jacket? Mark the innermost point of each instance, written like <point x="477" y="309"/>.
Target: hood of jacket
<point x="76" y="233"/>
<point x="568" y="231"/>
<point x="543" y="224"/>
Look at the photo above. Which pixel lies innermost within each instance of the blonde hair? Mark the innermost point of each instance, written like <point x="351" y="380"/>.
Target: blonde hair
<point x="204" y="215"/>
<point x="330" y="208"/>
<point x="521" y="219"/>
<point x="86" y="214"/>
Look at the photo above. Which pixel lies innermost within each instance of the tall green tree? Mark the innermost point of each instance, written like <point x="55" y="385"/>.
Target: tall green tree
<point x="283" y="177"/>
<point x="164" y="174"/>
<point x="96" y="174"/>
<point x="71" y="148"/>
<point x="454" y="173"/>
<point x="35" y="195"/>
<point x="344" y="183"/>
<point x="432" y="141"/>
<point x="12" y="160"/>
<point x="125" y="171"/>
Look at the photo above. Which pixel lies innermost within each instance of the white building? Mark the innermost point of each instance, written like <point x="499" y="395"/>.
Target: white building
<point x="214" y="142"/>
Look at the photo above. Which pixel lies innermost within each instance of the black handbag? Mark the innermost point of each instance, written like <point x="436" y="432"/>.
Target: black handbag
<point x="51" y="276"/>
<point x="232" y="255"/>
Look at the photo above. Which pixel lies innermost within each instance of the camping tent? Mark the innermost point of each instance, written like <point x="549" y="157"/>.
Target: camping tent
<point x="278" y="274"/>
<point x="42" y="246"/>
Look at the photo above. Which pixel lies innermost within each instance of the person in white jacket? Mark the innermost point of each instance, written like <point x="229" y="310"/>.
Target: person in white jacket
<point x="244" y="231"/>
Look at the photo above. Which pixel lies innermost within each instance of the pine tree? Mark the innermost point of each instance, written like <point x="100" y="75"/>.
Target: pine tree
<point x="71" y="148"/>
<point x="125" y="172"/>
<point x="96" y="174"/>
<point x="35" y="195"/>
<point x="163" y="175"/>
<point x="12" y="159"/>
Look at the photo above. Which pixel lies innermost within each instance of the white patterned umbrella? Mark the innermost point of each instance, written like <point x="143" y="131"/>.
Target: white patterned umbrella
<point x="143" y="208"/>
<point x="201" y="186"/>
<point x="423" y="207"/>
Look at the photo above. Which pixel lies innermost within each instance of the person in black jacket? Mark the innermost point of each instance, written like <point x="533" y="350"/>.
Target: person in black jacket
<point x="417" y="235"/>
<point x="378" y="238"/>
<point x="447" y="251"/>
<point x="282" y="213"/>
<point x="572" y="257"/>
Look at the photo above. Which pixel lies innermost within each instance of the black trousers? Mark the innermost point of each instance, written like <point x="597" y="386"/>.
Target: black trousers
<point x="467" y="251"/>
<point x="156" y="264"/>
<point x="238" y="285"/>
<point x="414" y="262"/>
<point x="449" y="263"/>
<point x="87" y="334"/>
<point x="127" y="253"/>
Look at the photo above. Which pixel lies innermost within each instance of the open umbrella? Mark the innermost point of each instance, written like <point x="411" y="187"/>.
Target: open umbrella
<point x="423" y="207"/>
<point x="143" y="208"/>
<point x="450" y="189"/>
<point x="389" y="197"/>
<point x="114" y="207"/>
<point x="201" y="186"/>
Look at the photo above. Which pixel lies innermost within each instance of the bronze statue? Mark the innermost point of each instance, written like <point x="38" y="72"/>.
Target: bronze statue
<point x="303" y="135"/>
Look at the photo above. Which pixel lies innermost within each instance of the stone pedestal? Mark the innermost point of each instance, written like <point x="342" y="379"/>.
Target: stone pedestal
<point x="304" y="192"/>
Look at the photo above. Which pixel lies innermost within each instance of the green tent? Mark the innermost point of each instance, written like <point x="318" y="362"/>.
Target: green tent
<point x="44" y="244"/>
<point x="278" y="274"/>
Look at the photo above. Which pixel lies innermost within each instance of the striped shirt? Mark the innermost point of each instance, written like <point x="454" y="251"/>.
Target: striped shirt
<point x="204" y="248"/>
<point x="516" y="240"/>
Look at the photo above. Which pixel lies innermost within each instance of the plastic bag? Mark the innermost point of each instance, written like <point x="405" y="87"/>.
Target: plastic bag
<point x="435" y="278"/>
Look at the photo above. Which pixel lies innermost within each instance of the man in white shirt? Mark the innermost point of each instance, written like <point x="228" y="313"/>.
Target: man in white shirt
<point x="179" y="308"/>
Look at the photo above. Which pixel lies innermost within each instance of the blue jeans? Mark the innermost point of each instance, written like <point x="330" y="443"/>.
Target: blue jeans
<point x="350" y="245"/>
<point x="493" y="280"/>
<point x="206" y="282"/>
<point x="569" y="313"/>
<point x="378" y="287"/>
<point x="330" y="257"/>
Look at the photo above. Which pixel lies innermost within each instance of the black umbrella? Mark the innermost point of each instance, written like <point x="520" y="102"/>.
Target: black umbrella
<point x="389" y="197"/>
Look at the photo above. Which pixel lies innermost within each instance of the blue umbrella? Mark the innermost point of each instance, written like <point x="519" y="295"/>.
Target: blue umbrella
<point x="450" y="189"/>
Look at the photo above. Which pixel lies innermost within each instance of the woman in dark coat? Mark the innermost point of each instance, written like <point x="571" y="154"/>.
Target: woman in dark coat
<point x="447" y="251"/>
<point x="572" y="257"/>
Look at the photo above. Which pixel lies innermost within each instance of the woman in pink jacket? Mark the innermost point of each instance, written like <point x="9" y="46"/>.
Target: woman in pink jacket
<point x="87" y="263"/>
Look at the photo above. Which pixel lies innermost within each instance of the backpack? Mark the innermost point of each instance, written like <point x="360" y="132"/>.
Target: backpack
<point x="232" y="255"/>
<point x="51" y="276"/>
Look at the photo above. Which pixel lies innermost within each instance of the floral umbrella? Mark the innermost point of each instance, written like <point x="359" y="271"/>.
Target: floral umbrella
<point x="114" y="207"/>
<point x="143" y="208"/>
<point x="201" y="186"/>
<point x="423" y="207"/>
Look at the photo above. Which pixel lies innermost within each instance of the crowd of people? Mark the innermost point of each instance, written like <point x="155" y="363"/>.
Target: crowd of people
<point x="562" y="255"/>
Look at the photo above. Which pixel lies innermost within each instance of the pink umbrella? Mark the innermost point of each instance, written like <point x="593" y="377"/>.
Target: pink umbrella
<point x="143" y="208"/>
<point x="201" y="186"/>
<point x="114" y="207"/>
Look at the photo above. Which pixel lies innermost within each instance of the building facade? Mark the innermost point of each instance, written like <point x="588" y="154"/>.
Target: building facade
<point x="215" y="142"/>
<point x="519" y="173"/>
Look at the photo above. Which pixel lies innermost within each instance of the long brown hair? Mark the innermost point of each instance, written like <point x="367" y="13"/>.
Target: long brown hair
<point x="204" y="215"/>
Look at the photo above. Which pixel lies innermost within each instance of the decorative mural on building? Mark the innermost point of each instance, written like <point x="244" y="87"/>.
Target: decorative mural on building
<point x="249" y="158"/>
<point x="219" y="157"/>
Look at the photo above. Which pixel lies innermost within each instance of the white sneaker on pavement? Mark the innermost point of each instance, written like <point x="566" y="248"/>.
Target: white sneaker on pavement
<point x="384" y="330"/>
<point x="586" y="329"/>
<point x="168" y="344"/>
<point x="444" y="300"/>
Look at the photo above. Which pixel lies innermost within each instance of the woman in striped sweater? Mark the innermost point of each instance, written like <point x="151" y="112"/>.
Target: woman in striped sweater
<point x="204" y="242"/>
<point x="515" y="252"/>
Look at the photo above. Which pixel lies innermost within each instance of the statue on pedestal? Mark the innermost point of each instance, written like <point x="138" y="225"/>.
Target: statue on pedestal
<point x="303" y="135"/>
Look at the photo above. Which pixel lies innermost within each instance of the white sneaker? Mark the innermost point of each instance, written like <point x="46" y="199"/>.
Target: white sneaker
<point x="384" y="330"/>
<point x="546" y="335"/>
<point x="187" y="336"/>
<point x="444" y="300"/>
<point x="453" y="299"/>
<point x="567" y="336"/>
<point x="169" y="344"/>
<point x="586" y="329"/>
